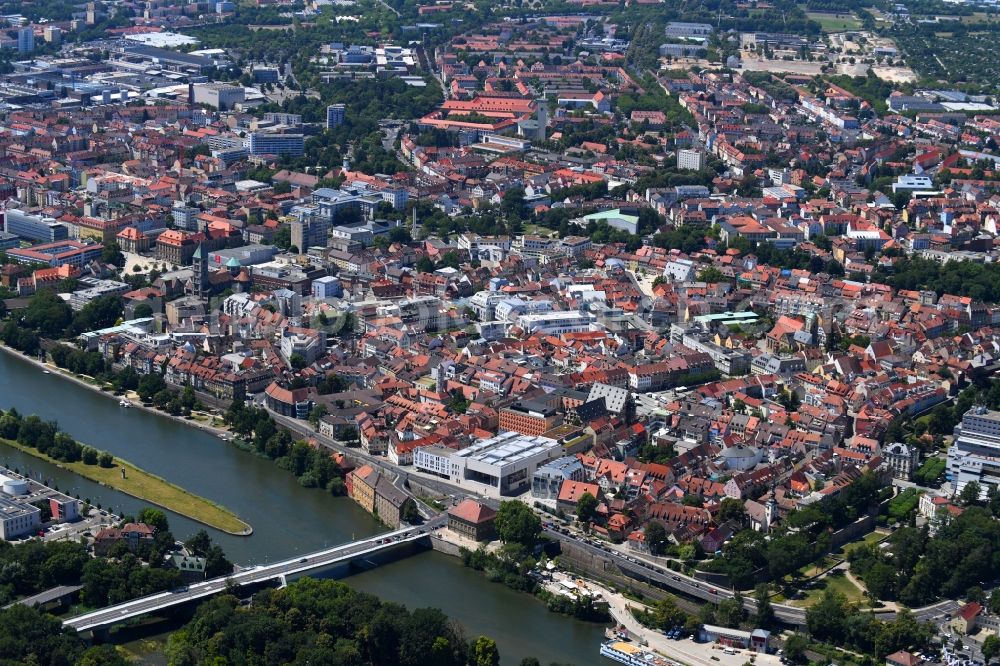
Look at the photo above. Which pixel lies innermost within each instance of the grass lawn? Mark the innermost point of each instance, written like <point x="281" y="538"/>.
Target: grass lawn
<point x="817" y="567"/>
<point x="871" y="537"/>
<point x="830" y="22"/>
<point x="534" y="229"/>
<point x="151" y="488"/>
<point x="837" y="583"/>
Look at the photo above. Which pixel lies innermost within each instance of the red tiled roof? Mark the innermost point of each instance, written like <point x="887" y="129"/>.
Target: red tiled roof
<point x="473" y="512"/>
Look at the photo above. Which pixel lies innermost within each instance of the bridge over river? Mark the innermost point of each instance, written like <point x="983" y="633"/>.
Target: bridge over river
<point x="278" y="572"/>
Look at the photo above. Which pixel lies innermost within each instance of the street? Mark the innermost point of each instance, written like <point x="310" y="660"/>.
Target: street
<point x="635" y="565"/>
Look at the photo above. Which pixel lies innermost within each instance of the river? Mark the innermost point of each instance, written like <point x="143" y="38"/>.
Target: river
<point x="287" y="519"/>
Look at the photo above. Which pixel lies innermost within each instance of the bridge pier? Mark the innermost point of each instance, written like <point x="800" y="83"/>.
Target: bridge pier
<point x="283" y="581"/>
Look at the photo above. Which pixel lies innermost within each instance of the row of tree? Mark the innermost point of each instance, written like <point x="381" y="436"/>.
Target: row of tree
<point x="46" y="438"/>
<point x="314" y="467"/>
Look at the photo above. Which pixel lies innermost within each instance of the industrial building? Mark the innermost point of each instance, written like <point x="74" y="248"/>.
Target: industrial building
<point x="167" y="59"/>
<point x="221" y="96"/>
<point x="94" y="288"/>
<point x="7" y="241"/>
<point x="556" y="323"/>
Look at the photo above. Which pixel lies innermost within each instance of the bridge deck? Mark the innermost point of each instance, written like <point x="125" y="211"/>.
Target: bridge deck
<point x="259" y="574"/>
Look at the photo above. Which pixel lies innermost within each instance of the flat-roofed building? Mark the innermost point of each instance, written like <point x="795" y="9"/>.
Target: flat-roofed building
<point x="34" y="227"/>
<point x="503" y="465"/>
<point x="433" y="459"/>
<point x="18" y="519"/>
<point x="56" y="254"/>
<point x="529" y="418"/>
<point x="272" y="143"/>
<point x="548" y="479"/>
<point x="974" y="456"/>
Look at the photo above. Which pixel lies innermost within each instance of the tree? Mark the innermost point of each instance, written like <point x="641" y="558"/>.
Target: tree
<point x="102" y="655"/>
<point x="317" y="413"/>
<point x="150" y="385"/>
<point x="106" y="460"/>
<point x="586" y="508"/>
<point x="47" y="314"/>
<point x="991" y="648"/>
<point x="513" y="202"/>
<point x="155" y="518"/>
<point x="142" y="311"/>
<point x="826" y="618"/>
<point x="99" y="313"/>
<point x="795" y="648"/>
<point x="666" y="613"/>
<point x="199" y="543"/>
<point x="485" y="652"/>
<point x="409" y="513"/>
<point x="710" y="274"/>
<point x="656" y="537"/>
<point x="731" y="612"/>
<point x="517" y="523"/>
<point x="731" y="509"/>
<point x="458" y="403"/>
<point x="765" y="612"/>
<point x="112" y="254"/>
<point x="29" y="636"/>
<point x="970" y="494"/>
<point x="216" y="563"/>
<point x="880" y="580"/>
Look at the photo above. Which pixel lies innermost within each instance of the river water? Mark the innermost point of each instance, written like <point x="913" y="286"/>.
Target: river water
<point x="287" y="519"/>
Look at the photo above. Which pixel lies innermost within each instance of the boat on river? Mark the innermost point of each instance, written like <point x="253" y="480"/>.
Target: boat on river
<point x="632" y="655"/>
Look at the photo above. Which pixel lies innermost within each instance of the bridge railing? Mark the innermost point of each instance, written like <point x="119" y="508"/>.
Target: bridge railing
<point x="208" y="587"/>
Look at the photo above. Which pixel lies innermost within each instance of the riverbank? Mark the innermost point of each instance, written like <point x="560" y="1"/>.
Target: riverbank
<point x="148" y="487"/>
<point x="132" y="396"/>
<point x="138" y="482"/>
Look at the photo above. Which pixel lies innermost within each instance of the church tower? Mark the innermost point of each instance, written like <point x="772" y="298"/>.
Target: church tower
<point x="202" y="285"/>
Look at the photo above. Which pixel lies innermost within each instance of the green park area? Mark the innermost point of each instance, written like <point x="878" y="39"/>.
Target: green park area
<point x="831" y="22"/>
<point x="139" y="483"/>
<point x="835" y="582"/>
<point x="868" y="539"/>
